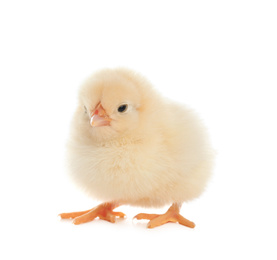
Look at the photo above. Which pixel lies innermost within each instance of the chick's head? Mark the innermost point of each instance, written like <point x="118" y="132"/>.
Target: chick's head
<point x="111" y="104"/>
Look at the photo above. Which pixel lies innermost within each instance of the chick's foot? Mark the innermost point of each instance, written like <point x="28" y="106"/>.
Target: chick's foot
<point x="172" y="215"/>
<point x="103" y="211"/>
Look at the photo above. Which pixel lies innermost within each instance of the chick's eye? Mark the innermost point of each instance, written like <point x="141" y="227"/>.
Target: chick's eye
<point x="122" y="108"/>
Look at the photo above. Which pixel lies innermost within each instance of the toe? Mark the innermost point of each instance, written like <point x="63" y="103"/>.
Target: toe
<point x="185" y="222"/>
<point x="160" y="220"/>
<point x="73" y="214"/>
<point x="91" y="215"/>
<point x="108" y="217"/>
<point x="119" y="214"/>
<point x="146" y="216"/>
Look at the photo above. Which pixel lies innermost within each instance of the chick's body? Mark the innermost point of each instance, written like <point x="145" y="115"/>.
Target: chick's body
<point x="156" y="153"/>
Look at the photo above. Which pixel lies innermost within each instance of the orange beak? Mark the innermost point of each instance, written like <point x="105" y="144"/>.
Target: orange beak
<point x="99" y="117"/>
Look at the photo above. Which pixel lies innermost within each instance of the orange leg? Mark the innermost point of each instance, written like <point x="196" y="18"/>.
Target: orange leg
<point x="172" y="215"/>
<point x="103" y="211"/>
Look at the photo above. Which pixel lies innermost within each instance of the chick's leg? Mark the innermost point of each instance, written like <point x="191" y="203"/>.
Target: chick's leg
<point x="103" y="211"/>
<point x="172" y="215"/>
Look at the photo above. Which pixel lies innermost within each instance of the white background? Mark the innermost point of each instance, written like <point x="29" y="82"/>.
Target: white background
<point x="219" y="57"/>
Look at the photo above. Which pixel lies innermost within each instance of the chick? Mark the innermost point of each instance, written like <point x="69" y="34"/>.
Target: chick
<point x="130" y="145"/>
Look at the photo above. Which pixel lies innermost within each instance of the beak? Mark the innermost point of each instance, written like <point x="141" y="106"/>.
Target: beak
<point x="99" y="117"/>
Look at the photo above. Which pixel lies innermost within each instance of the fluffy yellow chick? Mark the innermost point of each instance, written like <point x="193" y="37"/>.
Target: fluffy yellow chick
<point x="129" y="145"/>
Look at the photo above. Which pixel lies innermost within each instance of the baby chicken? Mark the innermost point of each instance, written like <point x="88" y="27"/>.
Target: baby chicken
<point x="130" y="145"/>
